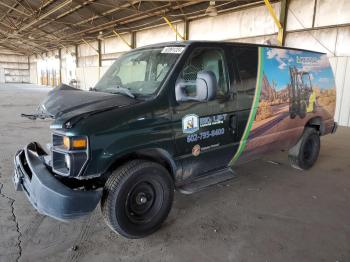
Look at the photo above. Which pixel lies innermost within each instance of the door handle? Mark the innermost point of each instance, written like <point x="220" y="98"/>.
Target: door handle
<point x="233" y="123"/>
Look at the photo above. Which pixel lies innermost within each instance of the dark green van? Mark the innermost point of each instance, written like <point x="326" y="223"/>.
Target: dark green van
<point x="173" y="116"/>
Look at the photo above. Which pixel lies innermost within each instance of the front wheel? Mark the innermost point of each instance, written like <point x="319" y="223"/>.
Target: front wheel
<point x="137" y="198"/>
<point x="305" y="153"/>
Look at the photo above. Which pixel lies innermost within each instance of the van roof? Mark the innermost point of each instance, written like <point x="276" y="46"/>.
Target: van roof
<point x="189" y="42"/>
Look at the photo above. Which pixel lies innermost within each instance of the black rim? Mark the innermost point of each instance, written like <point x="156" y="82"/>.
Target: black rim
<point x="144" y="201"/>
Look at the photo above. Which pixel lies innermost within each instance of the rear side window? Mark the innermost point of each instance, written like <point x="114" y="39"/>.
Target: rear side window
<point x="246" y="60"/>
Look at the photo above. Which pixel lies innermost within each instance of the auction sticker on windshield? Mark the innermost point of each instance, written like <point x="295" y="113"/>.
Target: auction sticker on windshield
<point x="173" y="50"/>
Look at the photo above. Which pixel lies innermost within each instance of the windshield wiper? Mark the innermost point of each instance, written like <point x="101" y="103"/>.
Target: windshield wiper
<point x="121" y="90"/>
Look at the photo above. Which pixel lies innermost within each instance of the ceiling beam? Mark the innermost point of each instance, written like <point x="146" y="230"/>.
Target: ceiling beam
<point x="16" y="49"/>
<point x="10" y="10"/>
<point x="37" y="36"/>
<point x="90" y="19"/>
<point x="72" y="10"/>
<point x="49" y="12"/>
<point x="158" y="11"/>
<point x="15" y="9"/>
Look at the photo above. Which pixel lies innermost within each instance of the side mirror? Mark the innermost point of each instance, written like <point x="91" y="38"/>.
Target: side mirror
<point x="205" y="87"/>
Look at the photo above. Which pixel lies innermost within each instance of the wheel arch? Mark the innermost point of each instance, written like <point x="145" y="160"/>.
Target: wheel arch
<point x="317" y="123"/>
<point x="157" y="155"/>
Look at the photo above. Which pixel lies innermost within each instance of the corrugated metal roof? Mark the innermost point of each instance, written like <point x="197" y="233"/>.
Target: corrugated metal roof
<point x="38" y="26"/>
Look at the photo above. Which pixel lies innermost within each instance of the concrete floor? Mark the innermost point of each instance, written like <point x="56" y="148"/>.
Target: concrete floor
<point x="270" y="213"/>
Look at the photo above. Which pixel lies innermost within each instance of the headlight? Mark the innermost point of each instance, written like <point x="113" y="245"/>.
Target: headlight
<point x="74" y="143"/>
<point x="69" y="154"/>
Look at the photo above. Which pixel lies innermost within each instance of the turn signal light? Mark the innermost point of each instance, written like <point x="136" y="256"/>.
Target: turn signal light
<point x="74" y="143"/>
<point x="79" y="143"/>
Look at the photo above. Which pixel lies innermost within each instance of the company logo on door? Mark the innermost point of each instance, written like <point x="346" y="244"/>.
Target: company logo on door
<point x="190" y="124"/>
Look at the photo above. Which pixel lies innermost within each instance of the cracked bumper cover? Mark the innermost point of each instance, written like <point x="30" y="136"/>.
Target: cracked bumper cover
<point x="47" y="194"/>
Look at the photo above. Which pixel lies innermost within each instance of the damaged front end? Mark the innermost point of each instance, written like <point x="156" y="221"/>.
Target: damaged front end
<point x="55" y="182"/>
<point x="46" y="192"/>
<point x="67" y="105"/>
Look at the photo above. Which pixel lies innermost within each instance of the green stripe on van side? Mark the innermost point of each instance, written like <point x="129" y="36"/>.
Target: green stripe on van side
<point x="255" y="105"/>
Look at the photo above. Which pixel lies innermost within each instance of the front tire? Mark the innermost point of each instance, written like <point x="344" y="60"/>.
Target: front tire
<point x="137" y="198"/>
<point x="305" y="153"/>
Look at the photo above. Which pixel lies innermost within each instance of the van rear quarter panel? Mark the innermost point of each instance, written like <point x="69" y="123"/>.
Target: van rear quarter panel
<point x="293" y="87"/>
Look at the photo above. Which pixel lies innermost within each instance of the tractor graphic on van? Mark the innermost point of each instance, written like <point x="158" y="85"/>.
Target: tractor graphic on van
<point x="302" y="97"/>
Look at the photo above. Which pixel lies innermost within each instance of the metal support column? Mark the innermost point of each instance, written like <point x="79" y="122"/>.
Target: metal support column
<point x="122" y="38"/>
<point x="76" y="56"/>
<point x="283" y="19"/>
<point x="99" y="53"/>
<point x="277" y="21"/>
<point x="60" y="63"/>
<point x="314" y="14"/>
<point x="133" y="40"/>
<point x="186" y="29"/>
<point x="173" y="28"/>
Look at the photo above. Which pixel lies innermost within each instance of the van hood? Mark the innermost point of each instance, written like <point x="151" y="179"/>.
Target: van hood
<point x="66" y="102"/>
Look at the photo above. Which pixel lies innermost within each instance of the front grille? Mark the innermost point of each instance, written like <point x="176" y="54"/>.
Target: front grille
<point x="58" y="163"/>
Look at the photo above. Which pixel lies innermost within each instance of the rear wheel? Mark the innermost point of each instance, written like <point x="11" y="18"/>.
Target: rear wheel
<point x="305" y="153"/>
<point x="137" y="198"/>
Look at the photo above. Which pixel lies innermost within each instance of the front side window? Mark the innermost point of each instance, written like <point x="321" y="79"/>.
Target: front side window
<point x="138" y="73"/>
<point x="209" y="59"/>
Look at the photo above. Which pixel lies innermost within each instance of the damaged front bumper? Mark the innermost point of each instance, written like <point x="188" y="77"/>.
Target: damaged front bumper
<point x="47" y="194"/>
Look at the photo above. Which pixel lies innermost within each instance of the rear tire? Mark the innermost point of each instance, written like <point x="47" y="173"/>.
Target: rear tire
<point x="305" y="153"/>
<point x="137" y="198"/>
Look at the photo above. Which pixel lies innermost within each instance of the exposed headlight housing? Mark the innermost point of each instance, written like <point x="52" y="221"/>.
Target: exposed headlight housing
<point x="67" y="161"/>
<point x="69" y="154"/>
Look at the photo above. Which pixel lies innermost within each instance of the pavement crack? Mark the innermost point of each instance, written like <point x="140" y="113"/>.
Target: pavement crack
<point x="14" y="219"/>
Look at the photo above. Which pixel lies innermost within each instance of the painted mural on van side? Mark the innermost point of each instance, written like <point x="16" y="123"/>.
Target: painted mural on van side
<point x="293" y="86"/>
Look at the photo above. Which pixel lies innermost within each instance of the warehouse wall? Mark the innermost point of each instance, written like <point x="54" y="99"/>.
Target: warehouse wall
<point x="33" y="72"/>
<point x="68" y="64"/>
<point x="322" y="25"/>
<point x="246" y="23"/>
<point x="14" y="68"/>
<point x="88" y="71"/>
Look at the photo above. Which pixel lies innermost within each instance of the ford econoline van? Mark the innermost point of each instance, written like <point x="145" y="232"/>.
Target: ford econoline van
<point x="173" y="116"/>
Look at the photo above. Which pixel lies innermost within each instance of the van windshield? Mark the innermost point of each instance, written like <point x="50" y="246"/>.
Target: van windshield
<point x="139" y="73"/>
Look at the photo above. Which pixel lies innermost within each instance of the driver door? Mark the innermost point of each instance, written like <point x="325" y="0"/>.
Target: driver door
<point x="204" y="130"/>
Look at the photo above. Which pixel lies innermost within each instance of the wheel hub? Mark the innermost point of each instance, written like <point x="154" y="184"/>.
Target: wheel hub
<point x="140" y="203"/>
<point x="141" y="198"/>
